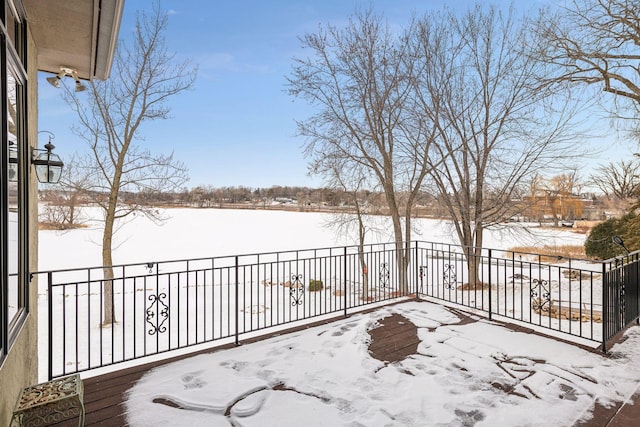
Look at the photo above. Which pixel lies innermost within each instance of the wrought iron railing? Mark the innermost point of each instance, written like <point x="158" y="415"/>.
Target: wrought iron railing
<point x="559" y="294"/>
<point x="169" y="305"/>
<point x="164" y="306"/>
<point x="621" y="294"/>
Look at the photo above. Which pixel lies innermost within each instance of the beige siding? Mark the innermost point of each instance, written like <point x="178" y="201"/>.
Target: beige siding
<point x="20" y="368"/>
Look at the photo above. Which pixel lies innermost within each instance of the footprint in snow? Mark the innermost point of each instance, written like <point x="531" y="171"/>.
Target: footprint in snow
<point x="192" y="380"/>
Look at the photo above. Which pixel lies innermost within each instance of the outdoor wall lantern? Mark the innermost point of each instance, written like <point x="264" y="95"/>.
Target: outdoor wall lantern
<point x="617" y="240"/>
<point x="66" y="71"/>
<point x="13" y="162"/>
<point x="48" y="165"/>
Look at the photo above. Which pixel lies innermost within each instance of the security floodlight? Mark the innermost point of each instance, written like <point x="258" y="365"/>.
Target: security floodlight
<point x="67" y="71"/>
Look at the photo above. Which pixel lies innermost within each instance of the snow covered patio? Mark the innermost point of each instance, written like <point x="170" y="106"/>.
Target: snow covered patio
<point x="449" y="369"/>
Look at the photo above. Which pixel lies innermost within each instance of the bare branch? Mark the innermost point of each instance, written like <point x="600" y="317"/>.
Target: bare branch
<point x="144" y="77"/>
<point x="360" y="79"/>
<point x="595" y="42"/>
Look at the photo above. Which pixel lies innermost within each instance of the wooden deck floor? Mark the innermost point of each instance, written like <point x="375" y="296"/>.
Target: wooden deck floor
<point x="394" y="339"/>
<point x="104" y="395"/>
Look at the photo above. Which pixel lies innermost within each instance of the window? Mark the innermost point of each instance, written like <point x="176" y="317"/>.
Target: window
<point x="14" y="184"/>
<point x="16" y="296"/>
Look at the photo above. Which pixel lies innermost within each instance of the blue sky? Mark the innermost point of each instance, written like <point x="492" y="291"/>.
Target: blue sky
<point x="237" y="125"/>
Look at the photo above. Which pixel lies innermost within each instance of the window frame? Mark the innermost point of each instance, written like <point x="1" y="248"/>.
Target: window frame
<point x="13" y="63"/>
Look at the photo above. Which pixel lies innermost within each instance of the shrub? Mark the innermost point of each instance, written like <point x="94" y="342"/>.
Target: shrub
<point x="600" y="245"/>
<point x="315" y="285"/>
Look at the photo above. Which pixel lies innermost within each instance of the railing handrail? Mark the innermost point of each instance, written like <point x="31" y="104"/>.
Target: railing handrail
<point x="206" y="258"/>
<point x="325" y="248"/>
<point x="614" y="259"/>
<point x="216" y="296"/>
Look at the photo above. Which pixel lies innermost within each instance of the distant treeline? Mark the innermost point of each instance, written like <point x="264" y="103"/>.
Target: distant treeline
<point x="534" y="208"/>
<point x="275" y="197"/>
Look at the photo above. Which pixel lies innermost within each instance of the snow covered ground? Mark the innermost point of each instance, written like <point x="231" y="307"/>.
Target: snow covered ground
<point x="326" y="377"/>
<point x="194" y="233"/>
<point x="480" y="374"/>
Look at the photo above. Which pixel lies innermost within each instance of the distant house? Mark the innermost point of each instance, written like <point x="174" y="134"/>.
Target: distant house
<point x="284" y="200"/>
<point x="45" y="35"/>
<point x="553" y="206"/>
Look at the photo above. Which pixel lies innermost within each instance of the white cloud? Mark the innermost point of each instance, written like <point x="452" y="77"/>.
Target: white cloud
<point x="218" y="61"/>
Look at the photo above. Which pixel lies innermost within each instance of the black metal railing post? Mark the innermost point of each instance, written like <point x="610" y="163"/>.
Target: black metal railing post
<point x="490" y="284"/>
<point x="113" y="315"/>
<point x="50" y="317"/>
<point x="637" y="290"/>
<point x="417" y="273"/>
<point x="605" y="308"/>
<point x="344" y="272"/>
<point x="237" y="306"/>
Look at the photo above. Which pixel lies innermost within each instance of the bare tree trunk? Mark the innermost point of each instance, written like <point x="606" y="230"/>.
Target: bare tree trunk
<point x="476" y="256"/>
<point x="401" y="257"/>
<point x="107" y="270"/>
<point x="72" y="209"/>
<point x="107" y="238"/>
<point x="407" y="240"/>
<point x="472" y="247"/>
<point x="554" y="211"/>
<point x="363" y="262"/>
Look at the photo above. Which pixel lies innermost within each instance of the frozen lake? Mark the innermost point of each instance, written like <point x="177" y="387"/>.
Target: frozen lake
<point x="196" y="299"/>
<point x="195" y="233"/>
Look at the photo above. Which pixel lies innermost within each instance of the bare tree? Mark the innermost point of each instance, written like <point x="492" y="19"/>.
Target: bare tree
<point x="359" y="78"/>
<point x="560" y="194"/>
<point x="63" y="209"/>
<point x="618" y="180"/>
<point x="144" y="77"/>
<point x="496" y="128"/>
<point x="351" y="181"/>
<point x="595" y="43"/>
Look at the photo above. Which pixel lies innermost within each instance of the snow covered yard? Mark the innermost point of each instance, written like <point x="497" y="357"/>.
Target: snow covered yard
<point x="464" y="373"/>
<point x="477" y="373"/>
<point x="191" y="233"/>
<point x="195" y="233"/>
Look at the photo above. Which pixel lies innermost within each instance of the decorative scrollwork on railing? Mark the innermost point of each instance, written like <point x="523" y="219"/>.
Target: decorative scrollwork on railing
<point x="296" y="291"/>
<point x="384" y="275"/>
<point x="161" y="310"/>
<point x="540" y="295"/>
<point x="449" y="277"/>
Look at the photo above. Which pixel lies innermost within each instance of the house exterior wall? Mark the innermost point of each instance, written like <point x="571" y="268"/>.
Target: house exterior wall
<point x="20" y="367"/>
